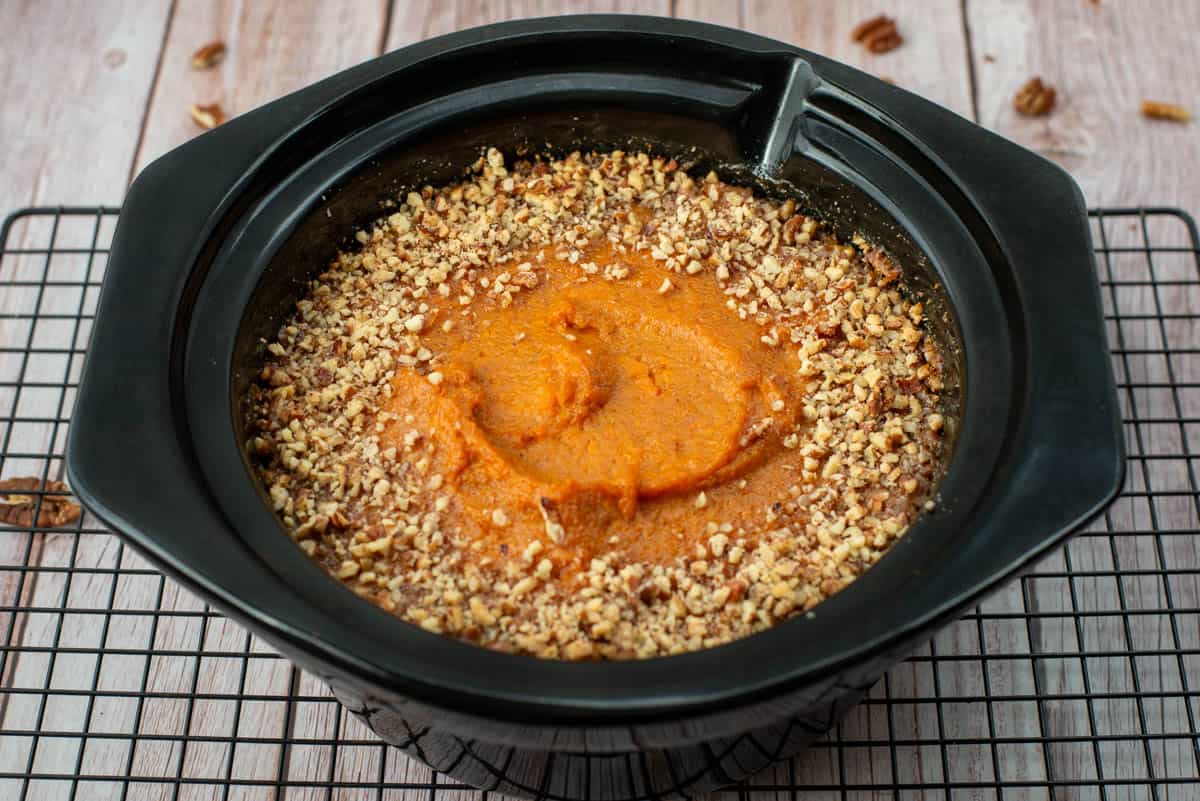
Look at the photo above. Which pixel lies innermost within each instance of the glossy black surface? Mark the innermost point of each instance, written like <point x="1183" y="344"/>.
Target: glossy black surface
<point x="215" y="241"/>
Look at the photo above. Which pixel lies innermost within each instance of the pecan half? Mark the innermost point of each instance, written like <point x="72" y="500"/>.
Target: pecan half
<point x="1165" y="111"/>
<point x="1035" y="99"/>
<point x="208" y="56"/>
<point x="18" y="506"/>
<point x="207" y="117"/>
<point x="878" y="34"/>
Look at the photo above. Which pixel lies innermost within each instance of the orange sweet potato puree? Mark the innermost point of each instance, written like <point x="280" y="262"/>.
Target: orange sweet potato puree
<point x="597" y="415"/>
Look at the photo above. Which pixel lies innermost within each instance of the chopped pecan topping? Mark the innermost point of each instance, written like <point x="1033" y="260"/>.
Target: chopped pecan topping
<point x="385" y="514"/>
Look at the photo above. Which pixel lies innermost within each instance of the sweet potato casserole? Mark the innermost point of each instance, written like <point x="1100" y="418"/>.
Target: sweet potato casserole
<point x="598" y="407"/>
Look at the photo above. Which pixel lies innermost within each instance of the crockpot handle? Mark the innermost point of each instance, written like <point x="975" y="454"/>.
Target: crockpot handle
<point x="1067" y="441"/>
<point x="1064" y="457"/>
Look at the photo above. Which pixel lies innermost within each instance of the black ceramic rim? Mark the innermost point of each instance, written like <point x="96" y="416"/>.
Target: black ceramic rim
<point x="1039" y="454"/>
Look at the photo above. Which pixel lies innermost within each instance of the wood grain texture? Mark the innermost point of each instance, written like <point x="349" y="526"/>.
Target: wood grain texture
<point x="413" y="22"/>
<point x="73" y="84"/>
<point x="74" y="80"/>
<point x="1104" y="59"/>
<point x="931" y="62"/>
<point x="273" y="48"/>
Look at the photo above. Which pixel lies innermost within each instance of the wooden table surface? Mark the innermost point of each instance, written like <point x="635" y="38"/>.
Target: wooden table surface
<point x="92" y="92"/>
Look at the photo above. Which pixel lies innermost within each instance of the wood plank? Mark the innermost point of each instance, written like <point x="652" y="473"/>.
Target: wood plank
<point x="1104" y="59"/>
<point x="103" y="80"/>
<point x="72" y="111"/>
<point x="273" y="48"/>
<point x="932" y="61"/>
<point x="413" y="22"/>
<point x="97" y="82"/>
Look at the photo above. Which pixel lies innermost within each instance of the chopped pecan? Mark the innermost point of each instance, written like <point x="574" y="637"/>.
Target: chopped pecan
<point x="878" y="34"/>
<point x="1035" y="99"/>
<point x="882" y="263"/>
<point x="828" y="330"/>
<point x="880" y="399"/>
<point x="430" y="223"/>
<point x="209" y="116"/>
<point x="792" y="227"/>
<point x="1165" y="111"/>
<point x="719" y="229"/>
<point x="525" y="278"/>
<point x="649" y="592"/>
<point x="208" y="56"/>
<point x="831" y="586"/>
<point x="18" y="506"/>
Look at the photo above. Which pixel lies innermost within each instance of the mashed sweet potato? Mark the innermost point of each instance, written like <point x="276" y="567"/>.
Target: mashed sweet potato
<point x="596" y="407"/>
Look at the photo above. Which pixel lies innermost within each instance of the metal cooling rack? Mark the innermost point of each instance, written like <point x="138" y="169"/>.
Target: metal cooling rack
<point x="1079" y="681"/>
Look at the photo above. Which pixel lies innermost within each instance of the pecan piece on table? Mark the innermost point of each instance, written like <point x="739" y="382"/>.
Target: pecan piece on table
<point x="207" y="117"/>
<point x="1165" y="111"/>
<point x="19" y="503"/>
<point x="1035" y="99"/>
<point x="878" y="34"/>
<point x="208" y="56"/>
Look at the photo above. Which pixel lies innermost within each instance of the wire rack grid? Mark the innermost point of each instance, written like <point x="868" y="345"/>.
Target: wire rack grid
<point x="1080" y="681"/>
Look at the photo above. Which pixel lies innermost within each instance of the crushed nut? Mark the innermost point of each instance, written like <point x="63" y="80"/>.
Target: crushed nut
<point x="384" y="513"/>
